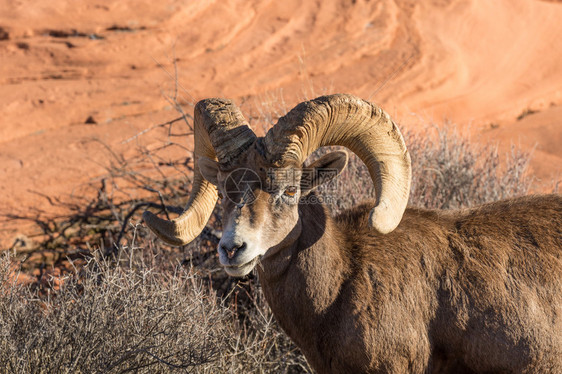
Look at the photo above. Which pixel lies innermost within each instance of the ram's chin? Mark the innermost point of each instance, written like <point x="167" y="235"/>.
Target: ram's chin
<point x="241" y="270"/>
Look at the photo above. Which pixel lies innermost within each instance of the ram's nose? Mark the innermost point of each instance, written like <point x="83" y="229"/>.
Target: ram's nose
<point x="231" y="248"/>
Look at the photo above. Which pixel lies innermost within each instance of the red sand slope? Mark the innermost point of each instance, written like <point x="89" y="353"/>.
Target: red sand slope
<point x="474" y="62"/>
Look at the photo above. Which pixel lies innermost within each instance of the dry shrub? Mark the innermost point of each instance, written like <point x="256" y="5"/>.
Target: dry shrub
<point x="135" y="314"/>
<point x="448" y="172"/>
<point x="107" y="318"/>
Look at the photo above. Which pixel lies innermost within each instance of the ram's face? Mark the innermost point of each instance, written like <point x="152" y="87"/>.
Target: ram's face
<point x="261" y="204"/>
<point x="260" y="209"/>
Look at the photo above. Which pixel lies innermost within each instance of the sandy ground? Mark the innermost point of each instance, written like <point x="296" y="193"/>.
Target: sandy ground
<point x="78" y="76"/>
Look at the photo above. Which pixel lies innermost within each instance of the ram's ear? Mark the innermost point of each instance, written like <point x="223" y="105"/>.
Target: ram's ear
<point x="323" y="170"/>
<point x="209" y="169"/>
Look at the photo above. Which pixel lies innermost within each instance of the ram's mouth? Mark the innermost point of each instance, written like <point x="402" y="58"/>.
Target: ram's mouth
<point x="242" y="269"/>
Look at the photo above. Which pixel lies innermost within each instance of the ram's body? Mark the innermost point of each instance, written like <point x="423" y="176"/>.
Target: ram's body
<point x="381" y="288"/>
<point x="478" y="290"/>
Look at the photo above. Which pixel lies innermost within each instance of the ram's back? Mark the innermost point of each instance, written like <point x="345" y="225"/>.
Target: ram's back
<point x="489" y="279"/>
<point x="501" y="298"/>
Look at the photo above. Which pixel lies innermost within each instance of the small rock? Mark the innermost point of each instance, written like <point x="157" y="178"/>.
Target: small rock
<point x="90" y="121"/>
<point x="4" y="35"/>
<point x="22" y="45"/>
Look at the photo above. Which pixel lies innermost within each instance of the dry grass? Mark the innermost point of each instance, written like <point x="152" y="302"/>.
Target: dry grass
<point x="138" y="305"/>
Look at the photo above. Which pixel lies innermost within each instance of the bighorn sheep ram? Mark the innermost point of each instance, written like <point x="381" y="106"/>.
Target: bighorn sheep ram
<point x="380" y="288"/>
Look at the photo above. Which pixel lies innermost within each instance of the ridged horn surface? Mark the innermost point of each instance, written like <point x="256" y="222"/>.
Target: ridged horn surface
<point x="360" y="126"/>
<point x="220" y="131"/>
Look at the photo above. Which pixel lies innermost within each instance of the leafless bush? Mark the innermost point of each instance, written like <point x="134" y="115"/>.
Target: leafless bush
<point x="126" y="315"/>
<point x="448" y="172"/>
<point x="107" y="318"/>
<point x="451" y="172"/>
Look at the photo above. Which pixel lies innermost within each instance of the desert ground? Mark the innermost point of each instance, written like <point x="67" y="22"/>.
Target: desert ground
<point x="79" y="77"/>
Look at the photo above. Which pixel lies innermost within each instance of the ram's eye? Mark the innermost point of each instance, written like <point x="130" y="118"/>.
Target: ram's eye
<point x="290" y="191"/>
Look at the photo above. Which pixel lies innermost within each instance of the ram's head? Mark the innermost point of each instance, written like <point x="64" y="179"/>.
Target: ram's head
<point x="262" y="180"/>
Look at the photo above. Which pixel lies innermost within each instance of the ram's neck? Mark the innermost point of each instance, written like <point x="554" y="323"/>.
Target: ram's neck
<point x="302" y="280"/>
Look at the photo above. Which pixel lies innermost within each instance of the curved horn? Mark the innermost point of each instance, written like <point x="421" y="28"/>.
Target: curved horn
<point x="220" y="131"/>
<point x="363" y="128"/>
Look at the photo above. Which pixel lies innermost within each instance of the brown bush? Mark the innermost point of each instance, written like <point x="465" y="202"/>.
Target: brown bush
<point x="127" y="315"/>
<point x="448" y="172"/>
